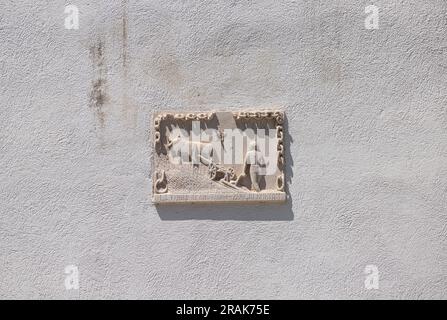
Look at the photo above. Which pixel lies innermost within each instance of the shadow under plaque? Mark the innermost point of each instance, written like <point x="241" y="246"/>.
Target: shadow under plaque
<point x="227" y="211"/>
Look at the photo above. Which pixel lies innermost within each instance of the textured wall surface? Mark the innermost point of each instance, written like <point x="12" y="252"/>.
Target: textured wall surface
<point x="367" y="148"/>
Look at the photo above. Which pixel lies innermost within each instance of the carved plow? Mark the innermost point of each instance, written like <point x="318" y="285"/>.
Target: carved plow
<point x="222" y="175"/>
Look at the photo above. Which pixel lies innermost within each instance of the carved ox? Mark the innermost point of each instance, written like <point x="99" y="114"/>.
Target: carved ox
<point x="183" y="150"/>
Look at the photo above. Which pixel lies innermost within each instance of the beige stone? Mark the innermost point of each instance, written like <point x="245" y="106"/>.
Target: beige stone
<point x="218" y="157"/>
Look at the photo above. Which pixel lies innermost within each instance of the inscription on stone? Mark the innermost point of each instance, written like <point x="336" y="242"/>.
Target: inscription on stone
<point x="218" y="157"/>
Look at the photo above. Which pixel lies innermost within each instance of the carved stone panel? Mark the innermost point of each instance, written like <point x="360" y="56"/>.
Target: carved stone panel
<point x="218" y="157"/>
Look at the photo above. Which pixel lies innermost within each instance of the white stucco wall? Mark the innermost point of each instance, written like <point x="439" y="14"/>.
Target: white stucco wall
<point x="367" y="148"/>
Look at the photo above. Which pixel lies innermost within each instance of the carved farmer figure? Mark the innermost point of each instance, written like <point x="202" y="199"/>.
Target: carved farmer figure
<point x="254" y="168"/>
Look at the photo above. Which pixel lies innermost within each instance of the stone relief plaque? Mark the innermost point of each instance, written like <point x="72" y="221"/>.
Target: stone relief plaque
<point x="218" y="157"/>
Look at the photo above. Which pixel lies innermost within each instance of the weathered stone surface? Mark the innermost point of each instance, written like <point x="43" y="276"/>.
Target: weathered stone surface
<point x="218" y="157"/>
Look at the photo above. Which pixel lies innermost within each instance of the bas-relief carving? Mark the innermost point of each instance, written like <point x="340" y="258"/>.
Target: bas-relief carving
<point x="218" y="157"/>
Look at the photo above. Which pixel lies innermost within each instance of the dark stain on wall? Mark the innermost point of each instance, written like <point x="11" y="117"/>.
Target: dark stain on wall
<point x="128" y="108"/>
<point x="98" y="93"/>
<point x="124" y="35"/>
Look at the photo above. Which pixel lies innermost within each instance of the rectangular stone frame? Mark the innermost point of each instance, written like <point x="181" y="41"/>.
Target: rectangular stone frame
<point x="160" y="184"/>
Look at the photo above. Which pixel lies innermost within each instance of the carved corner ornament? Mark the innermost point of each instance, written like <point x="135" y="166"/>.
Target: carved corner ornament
<point x="218" y="157"/>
